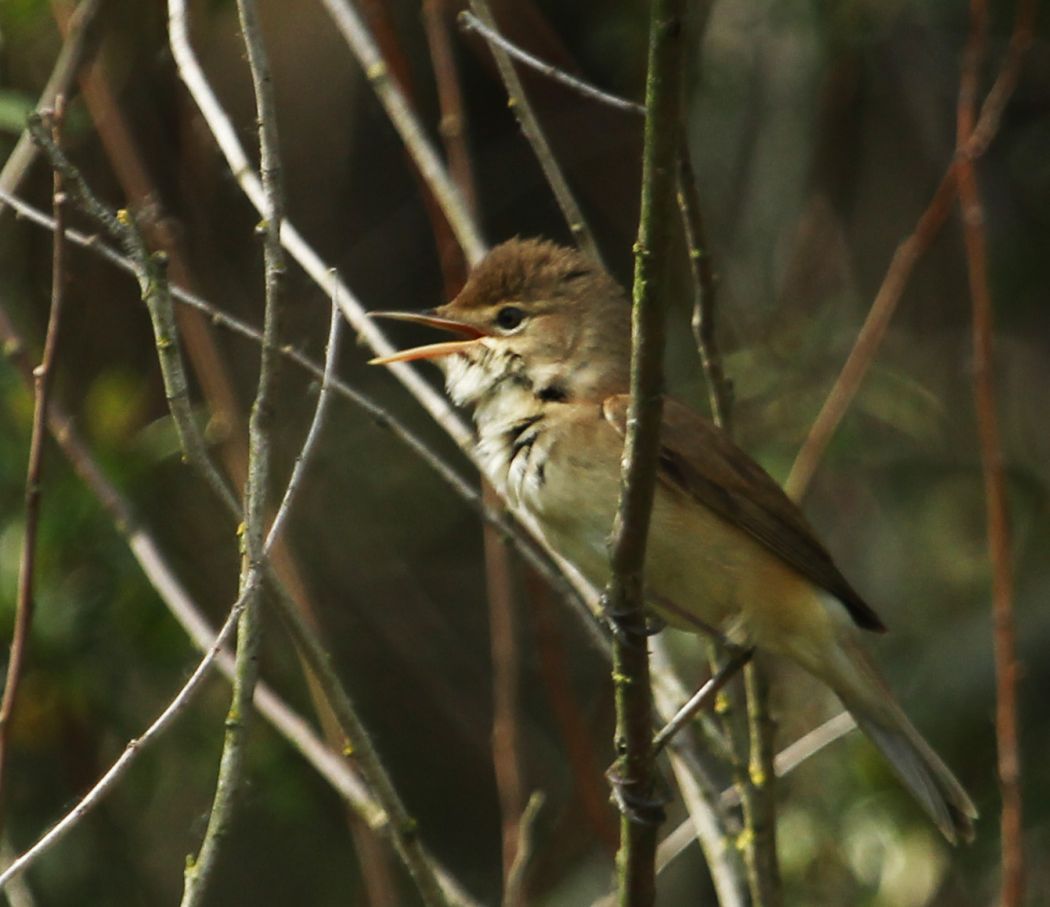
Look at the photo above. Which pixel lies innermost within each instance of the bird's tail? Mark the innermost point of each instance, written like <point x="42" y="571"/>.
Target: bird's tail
<point x="856" y="681"/>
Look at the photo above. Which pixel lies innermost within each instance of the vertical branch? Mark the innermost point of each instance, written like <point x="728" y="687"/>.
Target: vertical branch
<point x="756" y="780"/>
<point x="42" y="381"/>
<point x="530" y="126"/>
<point x="450" y="100"/>
<point x="634" y="773"/>
<point x="975" y="240"/>
<point x="499" y="566"/>
<point x="758" y="795"/>
<point x="719" y="387"/>
<point x="232" y="762"/>
<point x="506" y="747"/>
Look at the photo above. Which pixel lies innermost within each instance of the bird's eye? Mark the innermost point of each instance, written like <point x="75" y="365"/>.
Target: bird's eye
<point x="509" y="317"/>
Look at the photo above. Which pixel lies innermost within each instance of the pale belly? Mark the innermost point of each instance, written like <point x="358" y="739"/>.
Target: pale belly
<point x="701" y="572"/>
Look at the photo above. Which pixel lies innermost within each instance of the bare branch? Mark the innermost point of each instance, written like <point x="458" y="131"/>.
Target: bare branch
<point x="120" y="767"/>
<point x="325" y="277"/>
<point x="199" y="872"/>
<point x="357" y="36"/>
<point x="324" y="399"/>
<point x="472" y="23"/>
<point x="514" y="891"/>
<point x="719" y="387"/>
<point x="905" y="258"/>
<point x="975" y="240"/>
<point x="634" y="772"/>
<point x="330" y="765"/>
<point x="78" y="47"/>
<point x="403" y="831"/>
<point x="43" y="376"/>
<point x="150" y="272"/>
<point x="530" y="126"/>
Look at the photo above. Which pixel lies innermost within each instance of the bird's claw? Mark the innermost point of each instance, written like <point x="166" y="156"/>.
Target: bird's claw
<point x="640" y="807"/>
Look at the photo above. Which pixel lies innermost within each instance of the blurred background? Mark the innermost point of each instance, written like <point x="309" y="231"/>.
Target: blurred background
<point x="818" y="133"/>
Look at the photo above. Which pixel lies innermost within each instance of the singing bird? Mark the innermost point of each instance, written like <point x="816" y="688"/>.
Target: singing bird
<point x="543" y="357"/>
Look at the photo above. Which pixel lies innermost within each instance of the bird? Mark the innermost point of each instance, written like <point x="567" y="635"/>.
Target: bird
<point x="542" y="357"/>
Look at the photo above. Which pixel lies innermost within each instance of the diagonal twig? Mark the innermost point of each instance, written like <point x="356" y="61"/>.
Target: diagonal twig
<point x="330" y="765"/>
<point x="327" y="280"/>
<point x="382" y="418"/>
<point x="530" y="126"/>
<point x="470" y="22"/>
<point x="149" y="270"/>
<point x="117" y="771"/>
<point x="79" y="45"/>
<point x="357" y="36"/>
<point x="906" y="257"/>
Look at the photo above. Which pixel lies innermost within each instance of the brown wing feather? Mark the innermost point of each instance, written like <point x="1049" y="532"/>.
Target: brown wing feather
<point x="695" y="457"/>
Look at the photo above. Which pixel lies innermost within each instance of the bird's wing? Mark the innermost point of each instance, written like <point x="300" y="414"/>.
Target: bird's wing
<point x="697" y="459"/>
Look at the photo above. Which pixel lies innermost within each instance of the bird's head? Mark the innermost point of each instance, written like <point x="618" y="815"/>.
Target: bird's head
<point x="537" y="315"/>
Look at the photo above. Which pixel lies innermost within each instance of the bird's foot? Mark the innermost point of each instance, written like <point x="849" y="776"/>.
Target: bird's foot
<point x="626" y="625"/>
<point x="641" y="801"/>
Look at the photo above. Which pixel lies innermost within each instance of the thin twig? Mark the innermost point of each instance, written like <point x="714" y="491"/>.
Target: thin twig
<point x="470" y="22"/>
<point x="811" y="743"/>
<point x="357" y="36"/>
<point x="708" y="822"/>
<point x="869" y="338"/>
<point x="506" y="746"/>
<point x="536" y="557"/>
<point x="200" y="871"/>
<point x="150" y="272"/>
<point x="79" y="45"/>
<point x="702" y="698"/>
<point x="907" y="255"/>
<point x="325" y="277"/>
<point x="514" y="889"/>
<point x="704" y="826"/>
<point x="634" y="772"/>
<point x="154" y="289"/>
<point x="786" y="761"/>
<point x="453" y="127"/>
<point x="324" y="399"/>
<point x="43" y="378"/>
<point x="530" y="126"/>
<point x="705" y="285"/>
<point x="131" y="168"/>
<point x="975" y="240"/>
<point x="136" y="746"/>
<point x="331" y="766"/>
<point x="501" y="581"/>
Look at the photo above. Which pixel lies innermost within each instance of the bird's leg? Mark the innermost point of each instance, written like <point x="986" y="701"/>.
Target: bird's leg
<point x="642" y="809"/>
<point x="626" y="625"/>
<point x="738" y="657"/>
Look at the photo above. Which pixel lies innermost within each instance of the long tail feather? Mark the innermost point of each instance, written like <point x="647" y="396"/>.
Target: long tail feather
<point x="857" y="683"/>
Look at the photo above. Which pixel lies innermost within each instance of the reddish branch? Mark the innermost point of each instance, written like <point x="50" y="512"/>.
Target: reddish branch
<point x="908" y="254"/>
<point x="975" y="239"/>
<point x="42" y="381"/>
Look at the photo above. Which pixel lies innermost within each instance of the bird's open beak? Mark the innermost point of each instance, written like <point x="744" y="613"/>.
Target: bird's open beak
<point x="472" y="334"/>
